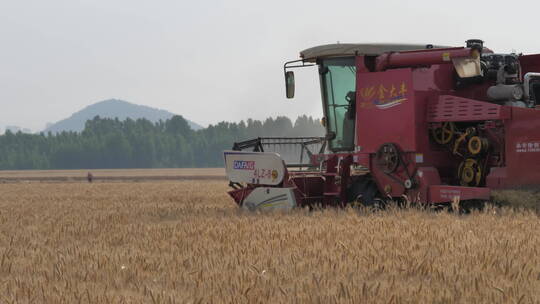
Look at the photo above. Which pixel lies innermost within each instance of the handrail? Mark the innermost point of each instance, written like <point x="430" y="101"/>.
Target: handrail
<point x="304" y="143"/>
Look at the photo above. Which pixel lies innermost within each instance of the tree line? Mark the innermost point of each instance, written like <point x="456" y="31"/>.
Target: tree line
<point x="111" y="143"/>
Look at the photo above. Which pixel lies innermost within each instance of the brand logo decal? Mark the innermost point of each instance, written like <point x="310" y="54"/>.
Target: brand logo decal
<point x="244" y="165"/>
<point x="274" y="174"/>
<point x="383" y="97"/>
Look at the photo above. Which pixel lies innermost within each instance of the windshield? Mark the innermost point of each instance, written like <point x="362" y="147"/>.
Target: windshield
<point x="338" y="83"/>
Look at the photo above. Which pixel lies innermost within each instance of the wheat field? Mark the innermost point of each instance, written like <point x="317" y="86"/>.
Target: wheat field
<point x="106" y="175"/>
<point x="186" y="242"/>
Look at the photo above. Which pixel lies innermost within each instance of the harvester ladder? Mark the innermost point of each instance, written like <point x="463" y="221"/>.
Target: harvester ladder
<point x="331" y="191"/>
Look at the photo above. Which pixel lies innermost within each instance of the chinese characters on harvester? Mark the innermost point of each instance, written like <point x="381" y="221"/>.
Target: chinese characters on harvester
<point x="382" y="96"/>
<point x="528" y="147"/>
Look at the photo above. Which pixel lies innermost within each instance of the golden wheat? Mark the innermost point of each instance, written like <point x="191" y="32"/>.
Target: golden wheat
<point x="186" y="242"/>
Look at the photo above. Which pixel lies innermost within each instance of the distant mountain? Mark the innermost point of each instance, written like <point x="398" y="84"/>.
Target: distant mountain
<point x="112" y="108"/>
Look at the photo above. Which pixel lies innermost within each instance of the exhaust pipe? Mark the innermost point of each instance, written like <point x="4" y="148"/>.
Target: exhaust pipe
<point x="423" y="57"/>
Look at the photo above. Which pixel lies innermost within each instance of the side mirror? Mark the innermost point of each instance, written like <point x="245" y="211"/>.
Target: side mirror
<point x="289" y="84"/>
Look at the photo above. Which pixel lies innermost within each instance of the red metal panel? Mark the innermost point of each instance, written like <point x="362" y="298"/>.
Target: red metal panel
<point x="453" y="108"/>
<point x="426" y="176"/>
<point x="523" y="148"/>
<point x="443" y="193"/>
<point x="497" y="178"/>
<point x="529" y="63"/>
<point x="240" y="194"/>
<point x="385" y="110"/>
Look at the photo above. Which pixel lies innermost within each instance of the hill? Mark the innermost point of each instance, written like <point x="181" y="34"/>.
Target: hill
<point x="112" y="108"/>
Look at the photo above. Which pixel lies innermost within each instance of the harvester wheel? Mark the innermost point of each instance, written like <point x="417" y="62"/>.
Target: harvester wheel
<point x="444" y="134"/>
<point x="364" y="192"/>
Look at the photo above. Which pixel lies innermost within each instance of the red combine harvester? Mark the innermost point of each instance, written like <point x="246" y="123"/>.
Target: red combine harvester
<point x="423" y="123"/>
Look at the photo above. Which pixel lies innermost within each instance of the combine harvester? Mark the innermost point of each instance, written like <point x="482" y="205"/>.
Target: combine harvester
<point x="424" y="123"/>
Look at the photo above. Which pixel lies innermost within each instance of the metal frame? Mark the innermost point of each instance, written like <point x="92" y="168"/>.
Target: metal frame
<point x="258" y="146"/>
<point x="303" y="65"/>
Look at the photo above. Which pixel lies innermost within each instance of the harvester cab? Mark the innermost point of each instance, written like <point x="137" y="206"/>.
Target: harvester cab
<point x="423" y="123"/>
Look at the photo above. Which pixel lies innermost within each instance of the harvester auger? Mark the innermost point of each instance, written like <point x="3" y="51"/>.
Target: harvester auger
<point x="424" y="123"/>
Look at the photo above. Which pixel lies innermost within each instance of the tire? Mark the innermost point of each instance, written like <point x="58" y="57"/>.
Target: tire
<point x="364" y="191"/>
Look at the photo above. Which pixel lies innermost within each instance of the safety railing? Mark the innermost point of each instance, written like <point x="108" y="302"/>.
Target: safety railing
<point x="295" y="151"/>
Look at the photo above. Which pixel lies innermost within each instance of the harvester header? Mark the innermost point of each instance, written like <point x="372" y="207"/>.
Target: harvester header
<point x="421" y="123"/>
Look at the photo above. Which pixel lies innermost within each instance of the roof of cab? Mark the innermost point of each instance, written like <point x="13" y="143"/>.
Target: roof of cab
<point x="353" y="49"/>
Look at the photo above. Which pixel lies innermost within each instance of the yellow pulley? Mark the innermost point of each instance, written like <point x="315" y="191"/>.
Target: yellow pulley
<point x="444" y="134"/>
<point x="477" y="145"/>
<point x="470" y="173"/>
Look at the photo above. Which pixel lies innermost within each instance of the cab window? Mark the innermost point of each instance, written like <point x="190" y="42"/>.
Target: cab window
<point x="338" y="85"/>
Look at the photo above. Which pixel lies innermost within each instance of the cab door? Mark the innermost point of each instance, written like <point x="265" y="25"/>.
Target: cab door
<point x="338" y="87"/>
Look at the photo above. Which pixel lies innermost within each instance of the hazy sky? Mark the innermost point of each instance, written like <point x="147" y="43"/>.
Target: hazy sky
<point x="213" y="60"/>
